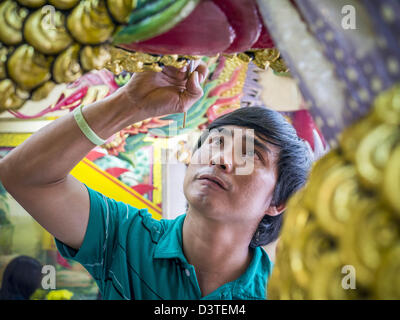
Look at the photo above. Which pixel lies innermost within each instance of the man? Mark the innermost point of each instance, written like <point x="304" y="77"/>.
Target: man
<point x="211" y="252"/>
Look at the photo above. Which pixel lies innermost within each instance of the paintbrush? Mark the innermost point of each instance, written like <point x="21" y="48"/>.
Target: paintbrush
<point x="190" y="69"/>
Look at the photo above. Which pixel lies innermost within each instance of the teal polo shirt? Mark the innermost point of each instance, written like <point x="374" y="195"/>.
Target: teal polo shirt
<point x="133" y="256"/>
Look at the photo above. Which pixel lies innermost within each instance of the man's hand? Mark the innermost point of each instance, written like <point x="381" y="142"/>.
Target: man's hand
<point x="170" y="91"/>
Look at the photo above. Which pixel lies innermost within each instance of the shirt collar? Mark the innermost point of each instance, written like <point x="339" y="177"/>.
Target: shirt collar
<point x="251" y="284"/>
<point x="170" y="244"/>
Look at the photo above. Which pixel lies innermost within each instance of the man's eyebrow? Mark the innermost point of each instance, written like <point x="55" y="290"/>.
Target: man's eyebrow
<point x="251" y="139"/>
<point x="257" y="143"/>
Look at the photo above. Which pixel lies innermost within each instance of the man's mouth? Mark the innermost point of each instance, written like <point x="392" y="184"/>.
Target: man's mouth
<point x="215" y="180"/>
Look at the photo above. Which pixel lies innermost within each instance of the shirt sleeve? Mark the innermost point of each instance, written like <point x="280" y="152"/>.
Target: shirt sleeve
<point x="107" y="219"/>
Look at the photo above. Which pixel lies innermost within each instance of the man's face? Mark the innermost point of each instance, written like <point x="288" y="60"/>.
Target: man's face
<point x="232" y="176"/>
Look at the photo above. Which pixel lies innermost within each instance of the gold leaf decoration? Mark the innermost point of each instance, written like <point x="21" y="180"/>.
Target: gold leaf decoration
<point x="64" y="4"/>
<point x="66" y="68"/>
<point x="89" y="22"/>
<point x="45" y="31"/>
<point x="351" y="198"/>
<point x="8" y="95"/>
<point x="95" y="57"/>
<point x="32" y="3"/>
<point x="121" y="9"/>
<point x="11" y="20"/>
<point x="29" y="68"/>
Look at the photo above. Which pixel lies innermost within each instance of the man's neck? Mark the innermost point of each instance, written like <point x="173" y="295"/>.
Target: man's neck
<point x="218" y="250"/>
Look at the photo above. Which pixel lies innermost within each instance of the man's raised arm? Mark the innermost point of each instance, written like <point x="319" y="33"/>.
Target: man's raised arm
<point x="36" y="173"/>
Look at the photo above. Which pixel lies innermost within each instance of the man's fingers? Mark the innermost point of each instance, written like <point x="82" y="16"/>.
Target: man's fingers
<point x="196" y="63"/>
<point x="202" y="69"/>
<point x="174" y="73"/>
<point x="193" y="86"/>
<point x="193" y="91"/>
<point x="182" y="74"/>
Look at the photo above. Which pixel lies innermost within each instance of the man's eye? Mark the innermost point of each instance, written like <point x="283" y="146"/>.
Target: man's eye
<point x="216" y="141"/>
<point x="251" y="154"/>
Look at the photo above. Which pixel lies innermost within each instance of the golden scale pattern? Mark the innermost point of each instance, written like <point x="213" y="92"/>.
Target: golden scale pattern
<point x="347" y="214"/>
<point x="41" y="45"/>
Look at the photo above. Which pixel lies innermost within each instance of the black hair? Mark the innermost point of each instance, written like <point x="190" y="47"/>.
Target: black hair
<point x="293" y="164"/>
<point x="21" y="278"/>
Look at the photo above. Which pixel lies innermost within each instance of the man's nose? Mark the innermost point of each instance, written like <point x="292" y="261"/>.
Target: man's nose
<point x="223" y="161"/>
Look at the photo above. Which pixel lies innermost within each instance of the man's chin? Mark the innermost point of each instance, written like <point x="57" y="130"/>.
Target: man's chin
<point x="208" y="207"/>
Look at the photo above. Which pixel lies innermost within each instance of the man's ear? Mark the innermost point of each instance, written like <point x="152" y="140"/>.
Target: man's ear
<point x="275" y="210"/>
